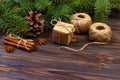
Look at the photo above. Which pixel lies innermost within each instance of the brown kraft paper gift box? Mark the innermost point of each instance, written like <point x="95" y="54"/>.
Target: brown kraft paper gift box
<point x="63" y="33"/>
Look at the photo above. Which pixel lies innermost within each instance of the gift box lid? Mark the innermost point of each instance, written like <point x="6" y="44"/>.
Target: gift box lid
<point x="64" y="27"/>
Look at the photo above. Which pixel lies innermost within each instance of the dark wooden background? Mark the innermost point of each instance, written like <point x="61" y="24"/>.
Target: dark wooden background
<point x="48" y="62"/>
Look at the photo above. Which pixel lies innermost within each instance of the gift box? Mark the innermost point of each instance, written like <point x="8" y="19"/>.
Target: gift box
<point x="63" y="33"/>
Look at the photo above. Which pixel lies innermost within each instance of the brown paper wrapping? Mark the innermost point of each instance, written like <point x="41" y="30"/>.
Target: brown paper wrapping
<point x="63" y="33"/>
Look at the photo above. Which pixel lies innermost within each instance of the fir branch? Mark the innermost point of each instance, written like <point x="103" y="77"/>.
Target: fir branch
<point x="84" y="5"/>
<point x="115" y="4"/>
<point x="23" y="7"/>
<point x="62" y="12"/>
<point x="12" y="23"/>
<point x="42" y="5"/>
<point x="12" y="12"/>
<point x="102" y="9"/>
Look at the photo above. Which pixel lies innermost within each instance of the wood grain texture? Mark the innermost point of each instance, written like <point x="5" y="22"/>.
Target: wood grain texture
<point x="48" y="62"/>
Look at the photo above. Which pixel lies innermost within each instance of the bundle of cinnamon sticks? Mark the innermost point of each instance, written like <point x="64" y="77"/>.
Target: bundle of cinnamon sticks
<point x="16" y="41"/>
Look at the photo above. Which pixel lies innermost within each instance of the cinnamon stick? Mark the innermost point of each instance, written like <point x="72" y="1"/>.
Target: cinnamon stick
<point x="16" y="42"/>
<point x="21" y="46"/>
<point x="14" y="39"/>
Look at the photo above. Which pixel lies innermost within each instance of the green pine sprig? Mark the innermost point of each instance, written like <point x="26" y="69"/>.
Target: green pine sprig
<point x="13" y="12"/>
<point x="102" y="10"/>
<point x="115" y="4"/>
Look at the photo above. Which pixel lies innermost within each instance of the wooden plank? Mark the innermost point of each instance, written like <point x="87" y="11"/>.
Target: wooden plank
<point x="48" y="62"/>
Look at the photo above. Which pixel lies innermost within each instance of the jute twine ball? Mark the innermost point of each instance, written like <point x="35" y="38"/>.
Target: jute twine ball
<point x="81" y="22"/>
<point x="100" y="32"/>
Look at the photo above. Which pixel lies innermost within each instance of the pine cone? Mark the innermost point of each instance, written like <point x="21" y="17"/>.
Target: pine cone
<point x="36" y="25"/>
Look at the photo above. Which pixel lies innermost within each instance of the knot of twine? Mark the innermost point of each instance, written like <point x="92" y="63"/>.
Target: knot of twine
<point x="21" y="40"/>
<point x="98" y="32"/>
<point x="81" y="22"/>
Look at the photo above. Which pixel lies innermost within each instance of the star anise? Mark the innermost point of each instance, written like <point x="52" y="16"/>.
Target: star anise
<point x="41" y="41"/>
<point x="9" y="48"/>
